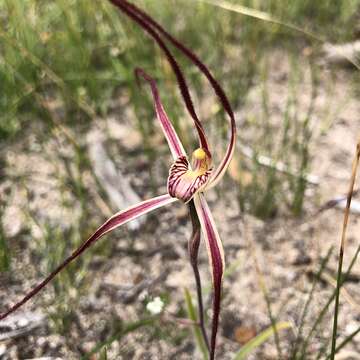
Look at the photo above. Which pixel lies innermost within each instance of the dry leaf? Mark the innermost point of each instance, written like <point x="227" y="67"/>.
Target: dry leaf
<point x="243" y="334"/>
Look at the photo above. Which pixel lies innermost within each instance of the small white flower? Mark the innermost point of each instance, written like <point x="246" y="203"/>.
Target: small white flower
<point x="82" y="91"/>
<point x="155" y="306"/>
<point x="114" y="51"/>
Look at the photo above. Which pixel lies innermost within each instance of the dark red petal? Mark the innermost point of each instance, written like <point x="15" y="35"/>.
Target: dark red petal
<point x="126" y="7"/>
<point x="221" y="169"/>
<point x="171" y="136"/>
<point x="115" y="221"/>
<point x="216" y="257"/>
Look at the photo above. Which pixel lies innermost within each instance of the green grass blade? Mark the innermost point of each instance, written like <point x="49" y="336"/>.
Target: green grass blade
<point x="323" y="264"/>
<point x="197" y="332"/>
<point x="259" y="340"/>
<point x="264" y="16"/>
<point x="103" y="355"/>
<point x="261" y="15"/>
<point x="342" y="248"/>
<point x="5" y="257"/>
<point x="326" y="307"/>
<point x="344" y="342"/>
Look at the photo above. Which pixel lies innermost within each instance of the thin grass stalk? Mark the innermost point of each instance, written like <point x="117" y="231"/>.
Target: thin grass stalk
<point x="118" y="335"/>
<point x="323" y="349"/>
<point x="342" y="247"/>
<point x="325" y="308"/>
<point x="264" y="16"/>
<point x="263" y="289"/>
<point x="197" y="331"/>
<point x="258" y="340"/>
<point x="49" y="72"/>
<point x="306" y="133"/>
<point x="269" y="309"/>
<point x="308" y="301"/>
<point x="5" y="255"/>
<point x="344" y="342"/>
<point x="44" y="104"/>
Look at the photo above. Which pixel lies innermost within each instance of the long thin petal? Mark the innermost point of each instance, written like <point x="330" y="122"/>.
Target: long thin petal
<point x="115" y="221"/>
<point x="172" y="138"/>
<point x="221" y="169"/>
<point x="193" y="247"/>
<point x="123" y="6"/>
<point x="216" y="257"/>
<point x="219" y="172"/>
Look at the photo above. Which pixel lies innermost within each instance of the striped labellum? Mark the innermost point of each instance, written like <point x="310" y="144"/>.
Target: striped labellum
<point x="183" y="181"/>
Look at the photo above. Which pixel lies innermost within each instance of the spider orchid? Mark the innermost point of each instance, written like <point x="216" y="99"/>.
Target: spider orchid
<point x="187" y="181"/>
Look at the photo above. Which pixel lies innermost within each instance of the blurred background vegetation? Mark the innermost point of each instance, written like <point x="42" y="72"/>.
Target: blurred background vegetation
<point x="66" y="65"/>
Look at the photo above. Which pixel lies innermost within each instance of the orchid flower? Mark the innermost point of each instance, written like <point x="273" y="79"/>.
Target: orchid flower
<point x="188" y="180"/>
